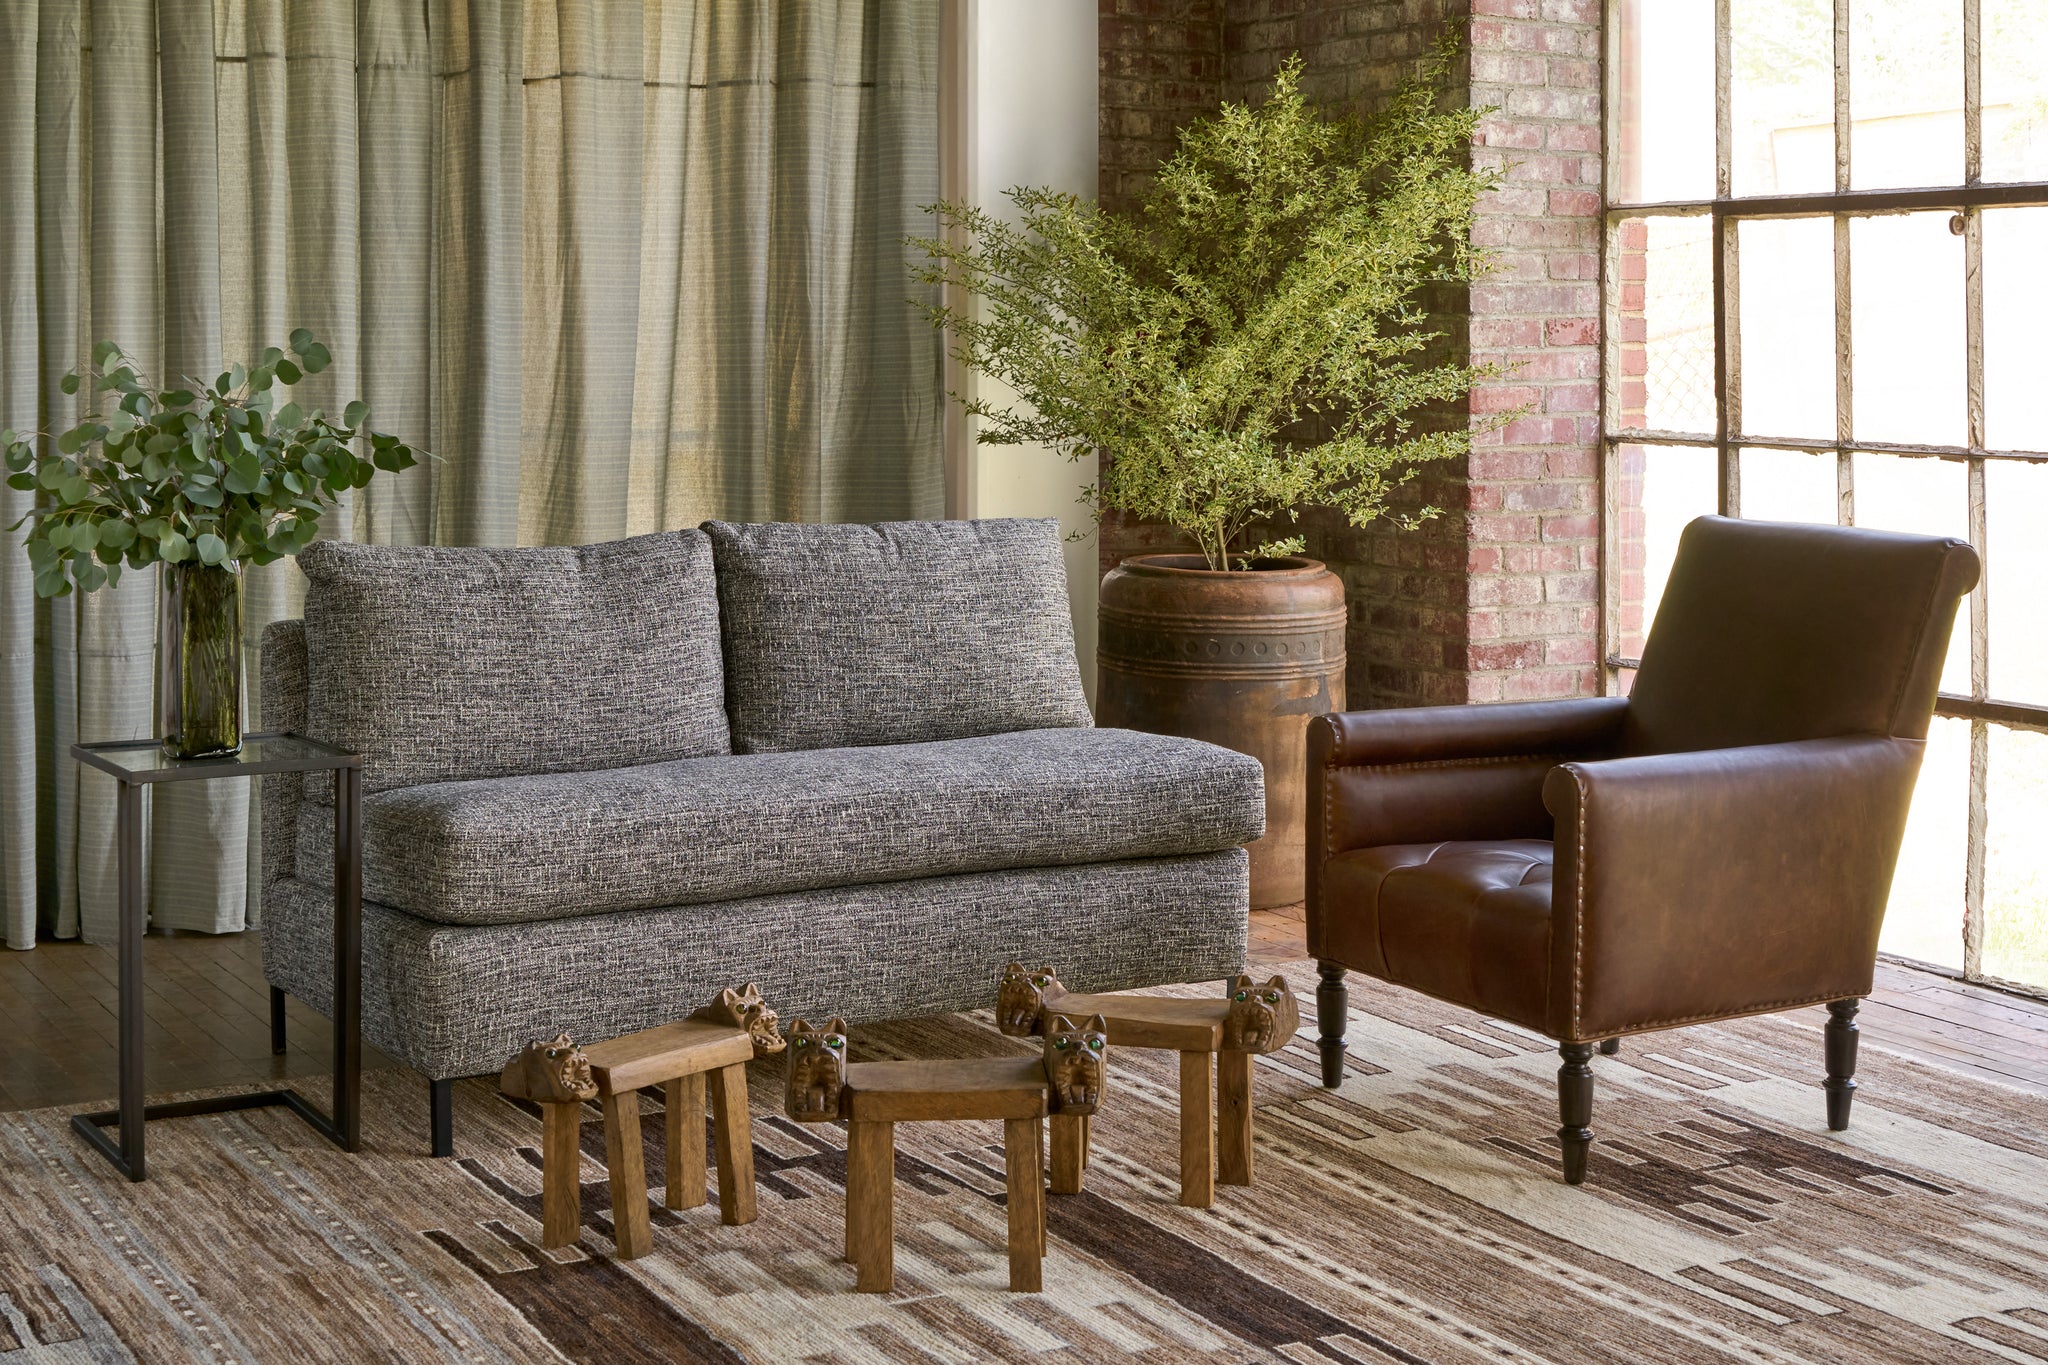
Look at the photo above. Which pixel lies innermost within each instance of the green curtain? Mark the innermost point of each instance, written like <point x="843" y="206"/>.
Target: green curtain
<point x="621" y="265"/>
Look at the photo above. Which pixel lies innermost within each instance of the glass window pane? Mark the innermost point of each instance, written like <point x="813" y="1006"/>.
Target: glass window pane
<point x="1664" y="101"/>
<point x="1782" y="96"/>
<point x="1906" y="286"/>
<point x="1662" y="488"/>
<point x="1905" y="93"/>
<point x="1664" y="319"/>
<point x="2016" y="858"/>
<point x="1788" y="485"/>
<point x="2015" y="511"/>
<point x="1931" y="497"/>
<point x="2015" y="36"/>
<point x="2015" y="350"/>
<point x="1786" y="280"/>
<point x="1924" y="920"/>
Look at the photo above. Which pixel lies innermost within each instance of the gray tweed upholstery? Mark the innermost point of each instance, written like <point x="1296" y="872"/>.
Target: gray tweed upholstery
<point x="440" y="664"/>
<point x="558" y="834"/>
<point x="458" y="1000"/>
<point x="706" y="829"/>
<point x="894" y="633"/>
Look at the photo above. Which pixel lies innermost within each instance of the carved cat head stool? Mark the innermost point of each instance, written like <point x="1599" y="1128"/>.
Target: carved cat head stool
<point x="1064" y="1082"/>
<point x="1248" y="1019"/>
<point x="713" y="1045"/>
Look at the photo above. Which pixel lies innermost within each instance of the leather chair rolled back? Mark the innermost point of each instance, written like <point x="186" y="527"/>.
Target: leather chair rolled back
<point x="1718" y="843"/>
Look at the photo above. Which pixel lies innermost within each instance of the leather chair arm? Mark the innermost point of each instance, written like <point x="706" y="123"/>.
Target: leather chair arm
<point x="1445" y="772"/>
<point x="1721" y="882"/>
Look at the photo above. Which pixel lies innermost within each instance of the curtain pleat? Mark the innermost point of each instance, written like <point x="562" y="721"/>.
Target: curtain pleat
<point x="620" y="264"/>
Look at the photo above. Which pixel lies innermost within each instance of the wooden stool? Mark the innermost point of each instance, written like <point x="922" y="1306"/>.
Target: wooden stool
<point x="873" y="1097"/>
<point x="715" y="1044"/>
<point x="1250" y="1019"/>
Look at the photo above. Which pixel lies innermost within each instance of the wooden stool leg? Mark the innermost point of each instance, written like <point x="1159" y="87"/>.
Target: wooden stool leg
<point x="561" y="1184"/>
<point x="1233" y="1118"/>
<point x="1087" y="1137"/>
<point x="1197" y="1158"/>
<point x="1027" y="1203"/>
<point x="871" y="1204"/>
<point x="1038" y="1181"/>
<point x="629" y="1175"/>
<point x="735" y="1144"/>
<point x="686" y="1142"/>
<point x="1069" y="1152"/>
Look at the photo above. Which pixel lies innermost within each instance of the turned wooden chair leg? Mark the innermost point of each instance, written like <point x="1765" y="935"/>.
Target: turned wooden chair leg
<point x="630" y="1230"/>
<point x="1233" y="1118"/>
<point x="685" y="1100"/>
<point x="1575" y="1108"/>
<point x="1841" y="1037"/>
<point x="870" y="1204"/>
<point x="735" y="1144"/>
<point x="561" y="1175"/>
<point x="1332" y="1016"/>
<point x="1027" y="1203"/>
<point x="1069" y="1152"/>
<point x="1609" y="1046"/>
<point x="1197" y="1107"/>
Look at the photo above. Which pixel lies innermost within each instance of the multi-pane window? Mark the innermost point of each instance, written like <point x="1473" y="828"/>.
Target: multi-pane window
<point x="1826" y="279"/>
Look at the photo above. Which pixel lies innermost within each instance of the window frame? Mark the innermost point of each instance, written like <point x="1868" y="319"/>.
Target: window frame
<point x="1842" y="204"/>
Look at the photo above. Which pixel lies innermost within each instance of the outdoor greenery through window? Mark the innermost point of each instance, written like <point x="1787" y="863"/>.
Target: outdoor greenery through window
<point x="1827" y="257"/>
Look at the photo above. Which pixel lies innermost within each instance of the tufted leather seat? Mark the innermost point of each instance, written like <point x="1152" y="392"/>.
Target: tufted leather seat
<point x="1719" y="842"/>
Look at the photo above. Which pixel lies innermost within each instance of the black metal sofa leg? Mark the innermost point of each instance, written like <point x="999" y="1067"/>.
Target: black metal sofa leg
<point x="1332" y="1015"/>
<point x="1575" y="1108"/>
<point x="1841" y="1049"/>
<point x="277" y="1038"/>
<point x="443" y="1093"/>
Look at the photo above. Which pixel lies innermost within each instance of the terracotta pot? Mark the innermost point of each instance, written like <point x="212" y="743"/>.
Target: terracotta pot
<point x="1241" y="659"/>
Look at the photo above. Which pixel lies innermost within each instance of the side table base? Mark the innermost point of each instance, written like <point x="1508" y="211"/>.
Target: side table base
<point x="92" y="1126"/>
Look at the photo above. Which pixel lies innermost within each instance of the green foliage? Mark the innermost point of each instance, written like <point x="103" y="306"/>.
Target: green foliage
<point x="216" y="473"/>
<point x="1254" y="339"/>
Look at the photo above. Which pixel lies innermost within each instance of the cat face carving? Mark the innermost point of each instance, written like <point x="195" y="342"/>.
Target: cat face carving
<point x="744" y="1008"/>
<point x="1261" y="1018"/>
<point x="816" y="1071"/>
<point x="554" y="1072"/>
<point x="1075" y="1061"/>
<point x="1022" y="997"/>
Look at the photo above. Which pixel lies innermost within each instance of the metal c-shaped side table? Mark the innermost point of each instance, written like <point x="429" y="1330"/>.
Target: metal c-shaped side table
<point x="139" y="762"/>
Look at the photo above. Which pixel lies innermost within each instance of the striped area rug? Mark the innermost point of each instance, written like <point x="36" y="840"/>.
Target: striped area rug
<point x="1413" y="1215"/>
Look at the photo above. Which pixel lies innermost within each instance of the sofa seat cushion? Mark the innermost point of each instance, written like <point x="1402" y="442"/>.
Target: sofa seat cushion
<point x="443" y="664"/>
<point x="543" y="847"/>
<point x="896" y="633"/>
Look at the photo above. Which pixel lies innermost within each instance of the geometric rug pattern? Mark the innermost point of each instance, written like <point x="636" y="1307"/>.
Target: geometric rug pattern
<point x="1414" y="1215"/>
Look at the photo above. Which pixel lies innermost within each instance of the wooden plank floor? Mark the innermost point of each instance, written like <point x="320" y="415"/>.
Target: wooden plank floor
<point x="207" y="1018"/>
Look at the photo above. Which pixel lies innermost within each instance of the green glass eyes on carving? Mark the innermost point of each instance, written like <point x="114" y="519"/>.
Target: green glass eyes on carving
<point x="835" y="1043"/>
<point x="803" y="1042"/>
<point x="1095" y="1044"/>
<point x="1060" y="1044"/>
<point x="1242" y="995"/>
<point x="1272" y="997"/>
<point x="1040" y="980"/>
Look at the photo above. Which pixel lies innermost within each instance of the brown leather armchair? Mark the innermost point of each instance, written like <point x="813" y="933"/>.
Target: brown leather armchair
<point x="1718" y="843"/>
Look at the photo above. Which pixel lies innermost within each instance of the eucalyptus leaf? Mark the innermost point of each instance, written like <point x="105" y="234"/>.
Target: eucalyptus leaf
<point x="69" y="383"/>
<point x="173" y="548"/>
<point x="355" y="414"/>
<point x="315" y="358"/>
<point x="212" y="549"/>
<point x="288" y="373"/>
<point x="299" y="340"/>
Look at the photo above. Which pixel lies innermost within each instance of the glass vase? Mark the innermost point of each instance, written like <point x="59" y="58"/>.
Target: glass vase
<point x="199" y="659"/>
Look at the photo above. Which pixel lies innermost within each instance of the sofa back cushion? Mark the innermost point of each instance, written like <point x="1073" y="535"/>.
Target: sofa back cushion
<point x="896" y="633"/>
<point x="445" y="664"/>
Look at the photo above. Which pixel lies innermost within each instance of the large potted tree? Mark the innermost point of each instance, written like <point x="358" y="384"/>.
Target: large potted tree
<point x="195" y="481"/>
<point x="1252" y="340"/>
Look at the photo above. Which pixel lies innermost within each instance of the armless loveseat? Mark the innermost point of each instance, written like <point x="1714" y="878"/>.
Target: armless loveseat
<point x="853" y="763"/>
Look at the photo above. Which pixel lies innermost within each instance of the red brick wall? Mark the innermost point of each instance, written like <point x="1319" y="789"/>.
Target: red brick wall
<point x="1498" y="597"/>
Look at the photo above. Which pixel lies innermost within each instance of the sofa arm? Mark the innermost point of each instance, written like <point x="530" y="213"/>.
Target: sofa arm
<point x="1445" y="772"/>
<point x="1704" y="885"/>
<point x="283" y="691"/>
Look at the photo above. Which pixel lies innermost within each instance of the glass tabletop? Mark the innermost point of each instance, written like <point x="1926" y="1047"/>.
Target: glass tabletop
<point x="144" y="760"/>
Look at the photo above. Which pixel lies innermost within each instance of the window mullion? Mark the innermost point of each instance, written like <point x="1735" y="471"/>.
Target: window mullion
<point x="1845" y="370"/>
<point x="1727" y="374"/>
<point x="1980" y="600"/>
